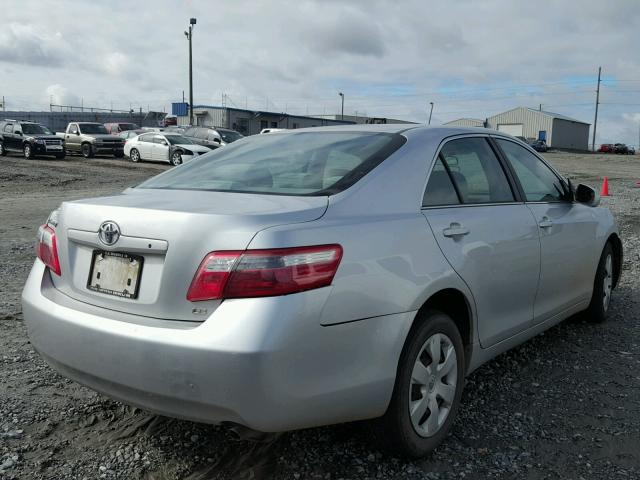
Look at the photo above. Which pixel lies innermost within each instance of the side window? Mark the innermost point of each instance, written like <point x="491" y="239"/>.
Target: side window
<point x="539" y="183"/>
<point x="476" y="171"/>
<point x="159" y="139"/>
<point x="146" y="138"/>
<point x="440" y="189"/>
<point x="17" y="128"/>
<point x="73" y="129"/>
<point x="8" y="128"/>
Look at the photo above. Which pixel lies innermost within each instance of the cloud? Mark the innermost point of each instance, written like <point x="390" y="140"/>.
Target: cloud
<point x="59" y="95"/>
<point x="28" y="45"/>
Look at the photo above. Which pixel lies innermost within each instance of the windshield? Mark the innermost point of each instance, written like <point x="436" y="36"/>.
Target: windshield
<point x="128" y="126"/>
<point x="307" y="163"/>
<point x="35" y="129"/>
<point x="229" y="136"/>
<point x="179" y="139"/>
<point x="92" y="128"/>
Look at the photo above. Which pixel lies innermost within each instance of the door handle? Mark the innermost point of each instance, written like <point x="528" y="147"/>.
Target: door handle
<point x="545" y="223"/>
<point x="455" y="230"/>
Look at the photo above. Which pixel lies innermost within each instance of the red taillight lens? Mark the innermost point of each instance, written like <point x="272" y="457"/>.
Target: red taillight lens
<point x="264" y="273"/>
<point x="47" y="248"/>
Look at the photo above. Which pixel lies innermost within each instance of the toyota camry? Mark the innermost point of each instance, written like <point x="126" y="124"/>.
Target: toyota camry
<point x="319" y="276"/>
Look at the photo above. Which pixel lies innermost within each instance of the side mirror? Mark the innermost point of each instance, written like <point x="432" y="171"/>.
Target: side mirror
<point x="78" y="132"/>
<point x="19" y="133"/>
<point x="216" y="140"/>
<point x="587" y="195"/>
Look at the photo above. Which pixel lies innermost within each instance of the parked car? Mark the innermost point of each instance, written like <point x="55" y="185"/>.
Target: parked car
<point x="128" y="134"/>
<point x="310" y="278"/>
<point x="163" y="147"/>
<point x="620" y="148"/>
<point x="606" y="148"/>
<point x="631" y="151"/>
<point x="174" y="129"/>
<point x="212" y="137"/>
<point x="119" y="127"/>
<point x="539" y="145"/>
<point x="272" y="130"/>
<point x="29" y="138"/>
<point x="91" y="139"/>
<point x="522" y="139"/>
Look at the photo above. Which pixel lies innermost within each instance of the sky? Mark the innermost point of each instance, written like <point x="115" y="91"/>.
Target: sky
<point x="390" y="59"/>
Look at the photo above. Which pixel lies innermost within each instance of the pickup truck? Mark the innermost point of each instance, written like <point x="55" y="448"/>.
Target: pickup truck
<point x="90" y="139"/>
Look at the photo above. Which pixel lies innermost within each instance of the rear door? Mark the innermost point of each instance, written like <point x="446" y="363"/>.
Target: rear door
<point x="486" y="233"/>
<point x="567" y="234"/>
<point x="160" y="149"/>
<point x="145" y="146"/>
<point x="9" y="137"/>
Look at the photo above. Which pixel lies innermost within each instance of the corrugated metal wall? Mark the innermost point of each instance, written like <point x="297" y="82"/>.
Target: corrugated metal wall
<point x="466" y="122"/>
<point x="532" y="122"/>
<point x="57" y="121"/>
<point x="572" y="135"/>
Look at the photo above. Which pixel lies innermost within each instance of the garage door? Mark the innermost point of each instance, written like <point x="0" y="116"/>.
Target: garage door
<point x="514" y="129"/>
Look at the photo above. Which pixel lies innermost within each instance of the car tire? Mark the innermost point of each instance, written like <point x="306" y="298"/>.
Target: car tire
<point x="27" y="150"/>
<point x="418" y="387"/>
<point x="118" y="154"/>
<point x="602" y="287"/>
<point x="176" y="158"/>
<point x="87" y="150"/>
<point x="134" y="155"/>
<point x="3" y="151"/>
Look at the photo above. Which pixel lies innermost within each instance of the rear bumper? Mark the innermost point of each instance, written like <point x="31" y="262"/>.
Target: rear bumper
<point x="264" y="363"/>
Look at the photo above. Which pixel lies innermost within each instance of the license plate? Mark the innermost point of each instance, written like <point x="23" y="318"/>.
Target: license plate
<point x="115" y="273"/>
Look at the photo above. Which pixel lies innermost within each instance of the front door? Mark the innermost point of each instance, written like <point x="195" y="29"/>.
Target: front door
<point x="567" y="234"/>
<point x="489" y="238"/>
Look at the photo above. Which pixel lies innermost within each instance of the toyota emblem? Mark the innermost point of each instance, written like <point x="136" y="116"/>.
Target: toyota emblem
<point x="109" y="233"/>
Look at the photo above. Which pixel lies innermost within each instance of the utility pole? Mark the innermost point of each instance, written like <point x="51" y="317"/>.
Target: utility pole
<point x="189" y="34"/>
<point x="430" y="113"/>
<point x="540" y="107"/>
<point x="595" y="121"/>
<point x="342" y="110"/>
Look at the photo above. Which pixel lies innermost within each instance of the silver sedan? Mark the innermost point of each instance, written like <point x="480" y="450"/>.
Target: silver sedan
<point x="319" y="276"/>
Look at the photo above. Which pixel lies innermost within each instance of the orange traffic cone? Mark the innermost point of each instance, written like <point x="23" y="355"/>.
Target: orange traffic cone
<point x="604" y="191"/>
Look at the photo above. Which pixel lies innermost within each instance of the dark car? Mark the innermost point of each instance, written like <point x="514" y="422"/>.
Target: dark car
<point x="620" y="148"/>
<point x="212" y="137"/>
<point x="30" y="139"/>
<point x="632" y="151"/>
<point x="539" y="145"/>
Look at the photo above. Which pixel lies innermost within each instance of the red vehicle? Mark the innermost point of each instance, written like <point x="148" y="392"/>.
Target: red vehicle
<point x="606" y="148"/>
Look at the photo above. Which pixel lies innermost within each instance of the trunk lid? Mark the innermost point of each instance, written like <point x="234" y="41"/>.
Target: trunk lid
<point x="172" y="230"/>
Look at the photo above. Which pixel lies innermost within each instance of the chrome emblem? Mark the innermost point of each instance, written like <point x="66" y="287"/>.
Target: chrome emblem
<point x="109" y="232"/>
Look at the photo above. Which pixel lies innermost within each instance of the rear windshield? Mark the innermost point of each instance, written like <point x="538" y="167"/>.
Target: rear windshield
<point x="92" y="128"/>
<point x="318" y="163"/>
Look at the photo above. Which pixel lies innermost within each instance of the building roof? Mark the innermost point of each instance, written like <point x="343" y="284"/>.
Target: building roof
<point x="463" y="119"/>
<point x="544" y="112"/>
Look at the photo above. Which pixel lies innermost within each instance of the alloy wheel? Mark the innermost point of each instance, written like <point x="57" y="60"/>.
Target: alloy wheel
<point x="433" y="383"/>
<point x="607" y="284"/>
<point x="176" y="159"/>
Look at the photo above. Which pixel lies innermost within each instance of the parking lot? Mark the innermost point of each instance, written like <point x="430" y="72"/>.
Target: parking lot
<point x="563" y="405"/>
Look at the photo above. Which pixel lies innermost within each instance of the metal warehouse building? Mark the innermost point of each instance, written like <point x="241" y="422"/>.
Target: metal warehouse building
<point x="558" y="131"/>
<point x="247" y="122"/>
<point x="466" y="122"/>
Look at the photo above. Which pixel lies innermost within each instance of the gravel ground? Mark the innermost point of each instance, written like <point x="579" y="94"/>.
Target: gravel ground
<point x="564" y="405"/>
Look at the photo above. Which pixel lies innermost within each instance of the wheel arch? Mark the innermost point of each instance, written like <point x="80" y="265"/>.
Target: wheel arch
<point x="616" y="245"/>
<point x="455" y="304"/>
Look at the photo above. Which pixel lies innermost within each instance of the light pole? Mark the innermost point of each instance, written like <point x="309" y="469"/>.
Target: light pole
<point x="430" y="112"/>
<point x="189" y="34"/>
<point x="342" y="111"/>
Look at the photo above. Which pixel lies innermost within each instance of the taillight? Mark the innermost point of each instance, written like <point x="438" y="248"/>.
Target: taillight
<point x="264" y="273"/>
<point x="47" y="248"/>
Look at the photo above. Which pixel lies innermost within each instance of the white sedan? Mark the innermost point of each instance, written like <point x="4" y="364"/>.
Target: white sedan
<point x="163" y="147"/>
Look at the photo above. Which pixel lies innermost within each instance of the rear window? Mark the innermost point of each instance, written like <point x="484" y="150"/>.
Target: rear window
<point x="318" y="163"/>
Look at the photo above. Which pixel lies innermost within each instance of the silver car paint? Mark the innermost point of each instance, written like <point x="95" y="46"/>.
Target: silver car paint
<point x="297" y="360"/>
